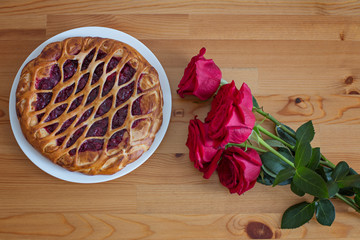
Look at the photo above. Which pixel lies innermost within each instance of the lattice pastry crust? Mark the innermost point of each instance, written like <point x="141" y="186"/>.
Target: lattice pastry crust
<point x="91" y="105"/>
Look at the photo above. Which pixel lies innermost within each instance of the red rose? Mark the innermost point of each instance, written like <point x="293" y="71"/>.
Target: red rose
<point x="201" y="148"/>
<point x="231" y="118"/>
<point x="201" y="77"/>
<point x="238" y="170"/>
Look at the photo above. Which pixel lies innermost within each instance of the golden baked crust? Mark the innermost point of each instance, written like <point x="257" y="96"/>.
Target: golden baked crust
<point x="91" y="105"/>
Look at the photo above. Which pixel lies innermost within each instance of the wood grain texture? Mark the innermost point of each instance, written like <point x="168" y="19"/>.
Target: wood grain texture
<point x="300" y="58"/>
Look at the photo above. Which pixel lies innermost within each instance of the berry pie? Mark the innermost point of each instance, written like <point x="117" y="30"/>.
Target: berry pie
<point x="91" y="105"/>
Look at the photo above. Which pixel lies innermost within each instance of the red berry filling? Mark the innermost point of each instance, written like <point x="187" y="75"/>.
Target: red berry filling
<point x="69" y="69"/>
<point x="51" y="128"/>
<point x="72" y="152"/>
<point x="85" y="116"/>
<point x="87" y="60"/>
<point x="115" y="139"/>
<point x="60" y="141"/>
<point x="76" y="103"/>
<point x="65" y="93"/>
<point x="98" y="129"/>
<point x="109" y="83"/>
<point x="82" y="82"/>
<point x="104" y="107"/>
<point x="51" y="81"/>
<point x="99" y="70"/>
<point x="92" y="145"/>
<point x="56" y="112"/>
<point x="136" y="109"/>
<point x="119" y="117"/>
<point x="124" y="94"/>
<point x="93" y="94"/>
<point x="126" y="74"/>
<point x="66" y="124"/>
<point x="75" y="136"/>
<point x="100" y="55"/>
<point x="112" y="64"/>
<point x="39" y="116"/>
<point x="43" y="99"/>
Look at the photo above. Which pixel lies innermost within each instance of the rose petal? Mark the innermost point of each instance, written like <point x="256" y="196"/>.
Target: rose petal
<point x="246" y="96"/>
<point x="213" y="165"/>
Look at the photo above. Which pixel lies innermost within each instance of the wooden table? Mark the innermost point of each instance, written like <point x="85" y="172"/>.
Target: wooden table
<point x="283" y="50"/>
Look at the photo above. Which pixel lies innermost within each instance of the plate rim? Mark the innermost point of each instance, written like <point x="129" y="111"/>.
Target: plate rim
<point x="61" y="173"/>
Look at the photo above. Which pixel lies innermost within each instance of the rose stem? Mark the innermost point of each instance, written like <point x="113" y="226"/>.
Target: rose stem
<point x="271" y="118"/>
<point x="348" y="201"/>
<point x="326" y="162"/>
<point x="272" y="150"/>
<point x="266" y="132"/>
<point x="244" y="145"/>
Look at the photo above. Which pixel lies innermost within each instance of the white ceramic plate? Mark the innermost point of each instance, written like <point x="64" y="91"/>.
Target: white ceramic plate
<point x="59" y="172"/>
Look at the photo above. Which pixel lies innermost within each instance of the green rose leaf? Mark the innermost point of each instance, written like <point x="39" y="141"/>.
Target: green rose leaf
<point x="296" y="190"/>
<point x="284" y="175"/>
<point x="341" y="170"/>
<point x="315" y="159"/>
<point x="310" y="182"/>
<point x="273" y="163"/>
<point x="350" y="181"/>
<point x="266" y="179"/>
<point x="302" y="154"/>
<point x="333" y="188"/>
<point x="325" y="173"/>
<point x="297" y="215"/>
<point x="285" y="136"/>
<point x="305" y="133"/>
<point x="325" y="212"/>
<point x="357" y="200"/>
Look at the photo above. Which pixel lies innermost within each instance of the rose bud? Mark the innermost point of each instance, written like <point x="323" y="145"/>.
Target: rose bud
<point x="231" y="118"/>
<point x="238" y="170"/>
<point x="201" y="148"/>
<point x="201" y="77"/>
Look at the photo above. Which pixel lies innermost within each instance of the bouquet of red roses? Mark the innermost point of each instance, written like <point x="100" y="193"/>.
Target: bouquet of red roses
<point x="230" y="141"/>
